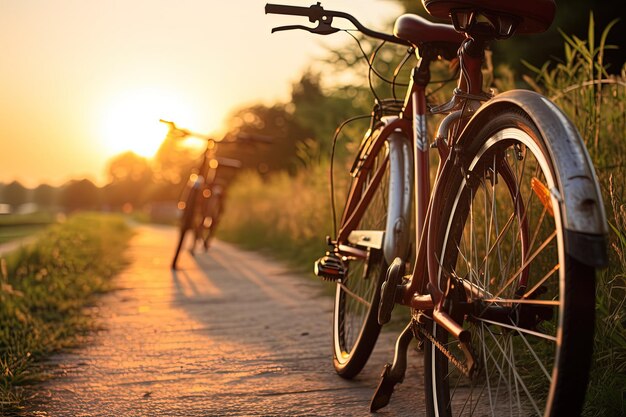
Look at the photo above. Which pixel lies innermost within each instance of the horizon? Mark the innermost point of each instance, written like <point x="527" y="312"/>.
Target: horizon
<point x="82" y="80"/>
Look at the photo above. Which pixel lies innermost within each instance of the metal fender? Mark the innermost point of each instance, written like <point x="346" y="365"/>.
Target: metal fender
<point x="398" y="226"/>
<point x="580" y="199"/>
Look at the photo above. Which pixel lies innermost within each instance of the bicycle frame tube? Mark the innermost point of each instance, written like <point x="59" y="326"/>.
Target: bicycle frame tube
<point x="412" y="122"/>
<point x="359" y="199"/>
<point x="415" y="292"/>
<point x="415" y="108"/>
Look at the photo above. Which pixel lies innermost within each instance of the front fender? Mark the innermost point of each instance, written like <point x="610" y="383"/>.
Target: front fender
<point x="580" y="198"/>
<point x="397" y="228"/>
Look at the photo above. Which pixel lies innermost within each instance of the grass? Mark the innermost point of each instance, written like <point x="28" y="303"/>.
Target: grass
<point x="14" y="226"/>
<point x="290" y="216"/>
<point x="596" y="102"/>
<point x="285" y="216"/>
<point x="607" y="391"/>
<point x="44" y="289"/>
<point x="10" y="233"/>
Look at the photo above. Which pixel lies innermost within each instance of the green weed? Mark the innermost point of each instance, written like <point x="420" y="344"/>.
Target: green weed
<point x="44" y="288"/>
<point x="596" y="102"/>
<point x="287" y="216"/>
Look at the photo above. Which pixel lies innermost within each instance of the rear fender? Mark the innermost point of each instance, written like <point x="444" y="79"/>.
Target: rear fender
<point x="578" y="196"/>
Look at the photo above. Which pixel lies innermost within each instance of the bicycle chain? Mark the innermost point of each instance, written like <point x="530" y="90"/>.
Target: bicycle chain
<point x="453" y="359"/>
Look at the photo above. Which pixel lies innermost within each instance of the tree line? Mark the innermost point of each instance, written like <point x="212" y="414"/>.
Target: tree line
<point x="301" y="128"/>
<point x="300" y="132"/>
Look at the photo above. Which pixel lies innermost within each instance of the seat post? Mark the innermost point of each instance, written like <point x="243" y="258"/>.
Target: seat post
<point x="471" y="55"/>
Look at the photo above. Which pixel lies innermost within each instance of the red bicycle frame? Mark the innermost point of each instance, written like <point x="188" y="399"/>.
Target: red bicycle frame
<point x="412" y="123"/>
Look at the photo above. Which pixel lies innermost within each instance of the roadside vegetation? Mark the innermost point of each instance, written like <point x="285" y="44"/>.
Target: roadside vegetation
<point x="289" y="216"/>
<point x="17" y="226"/>
<point x="44" y="289"/>
<point x="596" y="101"/>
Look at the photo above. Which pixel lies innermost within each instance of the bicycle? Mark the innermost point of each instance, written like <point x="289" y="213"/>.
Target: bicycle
<point x="496" y="258"/>
<point x="202" y="199"/>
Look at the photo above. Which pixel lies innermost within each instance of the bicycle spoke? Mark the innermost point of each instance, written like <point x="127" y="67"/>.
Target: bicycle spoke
<point x="530" y="332"/>
<point x="541" y="281"/>
<point x="498" y="365"/>
<point x="504" y="301"/>
<point x="504" y="377"/>
<point x="527" y="262"/>
<point x="535" y="356"/>
<point x="508" y="252"/>
<point x="513" y="369"/>
<point x="482" y="339"/>
<point x="356" y="293"/>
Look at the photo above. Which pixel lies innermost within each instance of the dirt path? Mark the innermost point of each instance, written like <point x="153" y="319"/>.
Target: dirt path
<point x="230" y="334"/>
<point x="14" y="245"/>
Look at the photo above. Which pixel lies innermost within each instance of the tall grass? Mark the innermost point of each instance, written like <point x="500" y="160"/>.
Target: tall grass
<point x="290" y="215"/>
<point x="285" y="215"/>
<point x="44" y="288"/>
<point x="596" y="102"/>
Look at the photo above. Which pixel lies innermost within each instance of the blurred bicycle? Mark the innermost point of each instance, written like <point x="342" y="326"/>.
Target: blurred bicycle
<point x="202" y="199"/>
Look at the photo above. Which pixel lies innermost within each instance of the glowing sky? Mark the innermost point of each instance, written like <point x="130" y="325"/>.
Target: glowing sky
<point x="82" y="80"/>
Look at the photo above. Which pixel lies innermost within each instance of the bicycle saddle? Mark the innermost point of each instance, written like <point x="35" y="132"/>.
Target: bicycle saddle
<point x="532" y="16"/>
<point x="417" y="30"/>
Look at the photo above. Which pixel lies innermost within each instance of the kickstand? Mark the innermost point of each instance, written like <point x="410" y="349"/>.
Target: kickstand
<point x="393" y="374"/>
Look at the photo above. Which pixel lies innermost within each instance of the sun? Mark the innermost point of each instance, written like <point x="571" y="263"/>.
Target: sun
<point x="130" y="121"/>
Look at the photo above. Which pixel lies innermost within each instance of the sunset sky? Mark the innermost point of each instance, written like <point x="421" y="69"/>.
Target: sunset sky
<point x="83" y="80"/>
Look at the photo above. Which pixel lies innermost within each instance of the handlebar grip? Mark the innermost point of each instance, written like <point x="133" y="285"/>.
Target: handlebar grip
<point x="287" y="10"/>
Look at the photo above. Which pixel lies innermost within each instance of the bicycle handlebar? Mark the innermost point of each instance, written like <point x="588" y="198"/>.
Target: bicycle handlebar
<point x="293" y="10"/>
<point x="241" y="137"/>
<point x="324" y="19"/>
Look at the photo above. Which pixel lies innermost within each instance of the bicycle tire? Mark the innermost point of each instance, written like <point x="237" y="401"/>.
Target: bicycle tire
<point x="534" y="358"/>
<point x="214" y="212"/>
<point x="200" y="222"/>
<point x="186" y="222"/>
<point x="355" y="322"/>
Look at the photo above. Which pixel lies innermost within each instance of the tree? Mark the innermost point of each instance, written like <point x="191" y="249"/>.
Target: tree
<point x="80" y="195"/>
<point x="129" y="166"/>
<point x="321" y="110"/>
<point x="302" y="130"/>
<point x="14" y="194"/>
<point x="45" y="196"/>
<point x="129" y="175"/>
<point x="275" y="122"/>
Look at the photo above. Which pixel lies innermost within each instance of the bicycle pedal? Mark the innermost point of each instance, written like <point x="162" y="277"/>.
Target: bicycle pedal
<point x="389" y="289"/>
<point x="330" y="267"/>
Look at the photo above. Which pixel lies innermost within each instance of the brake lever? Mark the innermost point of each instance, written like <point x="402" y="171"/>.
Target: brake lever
<point x="321" y="29"/>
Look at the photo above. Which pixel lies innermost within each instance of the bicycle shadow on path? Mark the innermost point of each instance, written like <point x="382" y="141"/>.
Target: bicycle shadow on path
<point x="229" y="333"/>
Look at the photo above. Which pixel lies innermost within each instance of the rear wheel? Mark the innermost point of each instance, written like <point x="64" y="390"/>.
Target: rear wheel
<point x="501" y="235"/>
<point x="211" y="219"/>
<point x="186" y="220"/>
<point x="203" y="222"/>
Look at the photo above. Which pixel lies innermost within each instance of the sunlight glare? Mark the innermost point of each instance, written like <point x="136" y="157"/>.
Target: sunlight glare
<point x="131" y="120"/>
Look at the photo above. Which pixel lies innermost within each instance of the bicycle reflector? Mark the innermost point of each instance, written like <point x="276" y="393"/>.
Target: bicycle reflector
<point x="542" y="193"/>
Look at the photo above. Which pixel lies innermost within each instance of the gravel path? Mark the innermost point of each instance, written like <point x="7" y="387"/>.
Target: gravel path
<point x="230" y="334"/>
